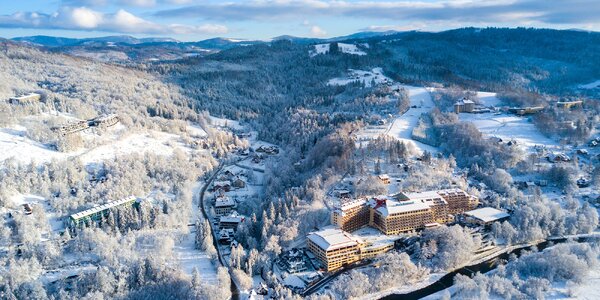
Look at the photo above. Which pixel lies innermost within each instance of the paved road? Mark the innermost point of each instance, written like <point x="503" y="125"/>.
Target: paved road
<point x="235" y="291"/>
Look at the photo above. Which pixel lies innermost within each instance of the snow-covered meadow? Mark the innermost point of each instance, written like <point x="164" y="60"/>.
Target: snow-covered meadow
<point x="344" y="48"/>
<point x="365" y="77"/>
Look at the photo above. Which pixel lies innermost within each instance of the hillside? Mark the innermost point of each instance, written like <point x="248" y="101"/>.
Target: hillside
<point x="157" y="151"/>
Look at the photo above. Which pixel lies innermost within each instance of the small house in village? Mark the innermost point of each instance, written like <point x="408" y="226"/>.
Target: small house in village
<point x="385" y="179"/>
<point x="224" y="205"/>
<point x="238" y="183"/>
<point x="464" y="105"/>
<point x="231" y="221"/>
<point x="224" y="185"/>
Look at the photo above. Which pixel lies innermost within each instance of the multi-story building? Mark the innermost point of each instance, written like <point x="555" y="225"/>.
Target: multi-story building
<point x="97" y="212"/>
<point x="334" y="248"/>
<point x="394" y="217"/>
<point x="231" y="221"/>
<point x="404" y="212"/>
<point x="437" y="203"/>
<point x="458" y="200"/>
<point x="224" y="205"/>
<point x="351" y="216"/>
<point x="464" y="105"/>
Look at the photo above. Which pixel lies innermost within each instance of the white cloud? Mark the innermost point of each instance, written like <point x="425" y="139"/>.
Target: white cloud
<point x="141" y="3"/>
<point x="82" y="18"/>
<point x="317" y="31"/>
<point x="138" y="3"/>
<point x="463" y="11"/>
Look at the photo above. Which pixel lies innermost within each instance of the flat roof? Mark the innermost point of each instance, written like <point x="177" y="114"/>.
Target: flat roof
<point x="102" y="207"/>
<point x="25" y="96"/>
<point x="451" y="191"/>
<point x="487" y="214"/>
<point x="231" y="219"/>
<point x="331" y="238"/>
<point x="422" y="195"/>
<point x="224" y="202"/>
<point x="395" y="207"/>
<point x="222" y="183"/>
<point x="352" y="204"/>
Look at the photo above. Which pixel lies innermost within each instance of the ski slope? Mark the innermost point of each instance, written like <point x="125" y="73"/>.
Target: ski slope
<point x="402" y="126"/>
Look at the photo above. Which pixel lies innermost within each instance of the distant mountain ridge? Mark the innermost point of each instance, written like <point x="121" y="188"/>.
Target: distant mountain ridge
<point x="218" y="43"/>
<point x="51" y="41"/>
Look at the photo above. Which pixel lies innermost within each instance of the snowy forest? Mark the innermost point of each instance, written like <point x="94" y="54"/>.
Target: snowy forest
<point x="169" y="145"/>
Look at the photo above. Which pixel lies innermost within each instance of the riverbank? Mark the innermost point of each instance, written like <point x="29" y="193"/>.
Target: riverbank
<point x="436" y="283"/>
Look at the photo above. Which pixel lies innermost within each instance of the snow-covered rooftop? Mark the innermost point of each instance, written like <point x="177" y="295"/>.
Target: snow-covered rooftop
<point x="222" y="183"/>
<point x="332" y="238"/>
<point x="422" y="195"/>
<point x="487" y="214"/>
<point x="102" y="207"/>
<point x="451" y="191"/>
<point x="25" y="96"/>
<point x="352" y="204"/>
<point x="224" y="202"/>
<point x="231" y="219"/>
<point x="396" y="207"/>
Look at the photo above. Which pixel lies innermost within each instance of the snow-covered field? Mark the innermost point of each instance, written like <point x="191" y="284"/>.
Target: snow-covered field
<point x="225" y="123"/>
<point x="587" y="290"/>
<point x="366" y="77"/>
<point x="185" y="252"/>
<point x="508" y="127"/>
<point x="14" y="143"/>
<point x="345" y="48"/>
<point x="54" y="220"/>
<point x="591" y="85"/>
<point x="488" y="99"/>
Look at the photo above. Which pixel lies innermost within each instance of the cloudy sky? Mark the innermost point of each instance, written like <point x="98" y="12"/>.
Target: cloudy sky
<point x="262" y="19"/>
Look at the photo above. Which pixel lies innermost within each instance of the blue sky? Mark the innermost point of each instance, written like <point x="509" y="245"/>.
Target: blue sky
<point x="262" y="19"/>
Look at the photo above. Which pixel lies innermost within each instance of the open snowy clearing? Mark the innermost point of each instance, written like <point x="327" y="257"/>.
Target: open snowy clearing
<point x="14" y="143"/>
<point x="345" y="48"/>
<point x="189" y="258"/>
<point x="488" y="99"/>
<point x="54" y="220"/>
<point x="225" y="123"/>
<point x="509" y="127"/>
<point x="591" y="85"/>
<point x="587" y="290"/>
<point x="365" y="77"/>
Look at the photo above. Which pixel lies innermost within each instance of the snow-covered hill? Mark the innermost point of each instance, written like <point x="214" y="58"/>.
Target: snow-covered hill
<point x="344" y="48"/>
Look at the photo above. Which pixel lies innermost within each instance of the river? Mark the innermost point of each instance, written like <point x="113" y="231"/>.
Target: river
<point x="483" y="267"/>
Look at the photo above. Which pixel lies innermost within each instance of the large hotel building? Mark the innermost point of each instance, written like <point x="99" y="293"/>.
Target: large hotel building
<point x="402" y="213"/>
<point x="335" y="248"/>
